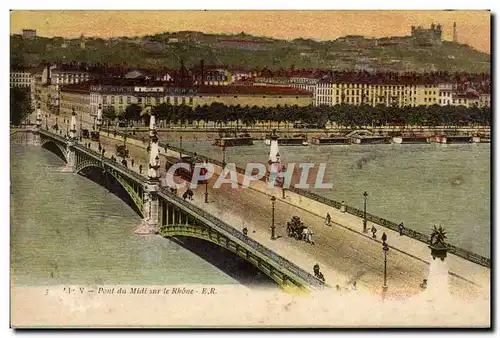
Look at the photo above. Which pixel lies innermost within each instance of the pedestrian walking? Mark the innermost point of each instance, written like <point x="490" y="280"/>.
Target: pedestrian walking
<point x="310" y="237"/>
<point x="328" y="219"/>
<point x="140" y="169"/>
<point x="374" y="231"/>
<point x="245" y="231"/>
<point x="99" y="147"/>
<point x="132" y="162"/>
<point x="401" y="228"/>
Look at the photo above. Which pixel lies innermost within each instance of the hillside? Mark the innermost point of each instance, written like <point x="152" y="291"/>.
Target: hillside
<point x="167" y="49"/>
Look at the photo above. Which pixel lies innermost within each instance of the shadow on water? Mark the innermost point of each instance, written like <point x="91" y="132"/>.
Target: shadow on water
<point x="51" y="146"/>
<point x="108" y="182"/>
<point x="234" y="266"/>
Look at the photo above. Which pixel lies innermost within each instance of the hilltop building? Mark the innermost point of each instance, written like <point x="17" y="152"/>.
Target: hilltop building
<point x="427" y="36"/>
<point x="29" y="33"/>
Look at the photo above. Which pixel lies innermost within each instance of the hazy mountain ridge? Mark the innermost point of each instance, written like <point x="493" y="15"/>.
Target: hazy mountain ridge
<point x="243" y="50"/>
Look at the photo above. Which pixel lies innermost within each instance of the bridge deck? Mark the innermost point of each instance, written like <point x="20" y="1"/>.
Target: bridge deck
<point x="343" y="253"/>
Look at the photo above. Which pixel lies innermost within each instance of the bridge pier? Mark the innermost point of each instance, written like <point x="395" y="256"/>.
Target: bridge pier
<point x="149" y="224"/>
<point x="70" y="157"/>
<point x="151" y="201"/>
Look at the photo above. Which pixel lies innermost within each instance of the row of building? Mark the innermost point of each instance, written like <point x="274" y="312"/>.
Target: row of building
<point x="67" y="88"/>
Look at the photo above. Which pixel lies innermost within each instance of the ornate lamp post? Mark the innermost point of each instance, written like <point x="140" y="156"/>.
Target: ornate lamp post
<point x="46" y="121"/>
<point x="81" y="128"/>
<point x="206" y="191"/>
<point x="365" y="195"/>
<point x="223" y="157"/>
<point x="273" y="227"/>
<point x="180" y="146"/>
<point x="385" y="248"/>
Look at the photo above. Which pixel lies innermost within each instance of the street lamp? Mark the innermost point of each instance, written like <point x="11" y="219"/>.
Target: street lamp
<point x="385" y="248"/>
<point x="180" y="146"/>
<point x="365" y="230"/>
<point x="206" y="189"/>
<point x="46" y="121"/>
<point x="223" y="157"/>
<point x="273" y="227"/>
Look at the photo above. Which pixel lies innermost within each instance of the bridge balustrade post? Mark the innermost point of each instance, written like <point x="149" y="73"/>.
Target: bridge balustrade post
<point x="151" y="205"/>
<point x="151" y="201"/>
<point x="70" y="156"/>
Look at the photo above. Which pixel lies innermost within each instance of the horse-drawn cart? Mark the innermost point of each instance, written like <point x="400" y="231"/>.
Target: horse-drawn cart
<point x="121" y="150"/>
<point x="295" y="228"/>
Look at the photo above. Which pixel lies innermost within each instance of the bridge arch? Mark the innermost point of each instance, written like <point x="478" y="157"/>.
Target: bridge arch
<point x="54" y="147"/>
<point x="96" y="166"/>
<point x="207" y="234"/>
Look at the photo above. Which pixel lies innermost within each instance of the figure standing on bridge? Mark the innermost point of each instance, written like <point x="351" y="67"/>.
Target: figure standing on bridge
<point x="245" y="231"/>
<point x="316" y="269"/>
<point x="140" y="169"/>
<point x="401" y="227"/>
<point x="423" y="285"/>
<point x="99" y="147"/>
<point x="328" y="219"/>
<point x="374" y="231"/>
<point x="103" y="151"/>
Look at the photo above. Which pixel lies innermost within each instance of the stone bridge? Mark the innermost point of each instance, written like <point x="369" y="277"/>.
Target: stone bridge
<point x="167" y="214"/>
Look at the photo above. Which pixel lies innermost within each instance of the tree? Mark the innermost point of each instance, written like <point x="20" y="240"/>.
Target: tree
<point x="109" y="113"/>
<point x="20" y="105"/>
<point x="132" y="112"/>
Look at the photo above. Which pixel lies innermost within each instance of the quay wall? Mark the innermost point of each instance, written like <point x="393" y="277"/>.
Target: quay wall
<point x="192" y="133"/>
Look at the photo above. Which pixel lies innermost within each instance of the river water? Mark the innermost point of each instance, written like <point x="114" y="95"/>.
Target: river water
<point x="66" y="229"/>
<point x="421" y="185"/>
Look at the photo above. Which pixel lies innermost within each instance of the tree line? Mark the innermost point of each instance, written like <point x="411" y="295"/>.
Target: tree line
<point x="20" y="105"/>
<point x="342" y="115"/>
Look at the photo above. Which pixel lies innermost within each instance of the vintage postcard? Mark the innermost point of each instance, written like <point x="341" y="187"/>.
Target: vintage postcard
<point x="250" y="169"/>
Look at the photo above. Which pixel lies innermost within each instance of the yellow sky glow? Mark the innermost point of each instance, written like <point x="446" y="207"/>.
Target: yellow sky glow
<point x="473" y="26"/>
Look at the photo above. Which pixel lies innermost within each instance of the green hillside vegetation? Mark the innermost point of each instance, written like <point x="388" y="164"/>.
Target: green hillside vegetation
<point x="161" y="51"/>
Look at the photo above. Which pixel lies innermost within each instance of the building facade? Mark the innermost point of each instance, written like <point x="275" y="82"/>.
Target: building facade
<point x="29" y="33"/>
<point x="65" y="77"/>
<point x="397" y="94"/>
<point x="22" y="79"/>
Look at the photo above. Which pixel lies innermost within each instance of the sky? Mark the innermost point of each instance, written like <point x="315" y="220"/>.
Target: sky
<point x="473" y="26"/>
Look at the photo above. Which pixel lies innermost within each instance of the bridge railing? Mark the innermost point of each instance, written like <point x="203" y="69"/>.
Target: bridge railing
<point x="55" y="136"/>
<point x="247" y="240"/>
<point x="111" y="163"/>
<point x="466" y="254"/>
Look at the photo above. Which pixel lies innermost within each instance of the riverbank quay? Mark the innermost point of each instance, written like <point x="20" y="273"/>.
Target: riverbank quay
<point x="200" y="133"/>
